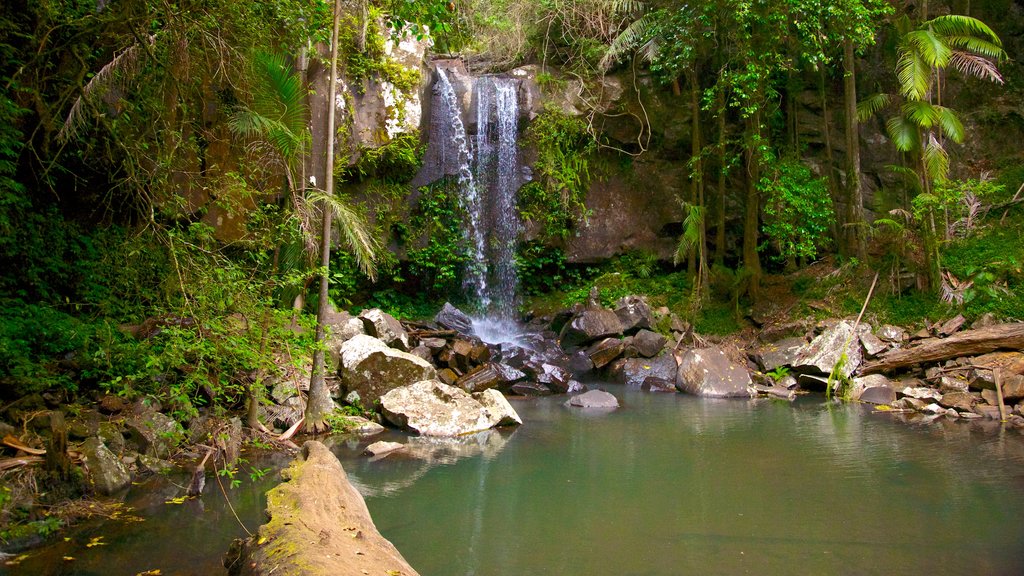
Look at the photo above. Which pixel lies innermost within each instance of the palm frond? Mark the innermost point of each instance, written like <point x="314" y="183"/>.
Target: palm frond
<point x="977" y="66"/>
<point x="633" y="36"/>
<point x="691" y="231"/>
<point x="976" y="46"/>
<point x="920" y="112"/>
<point x="117" y="72"/>
<point x="872" y="105"/>
<point x="354" y="231"/>
<point x="903" y="133"/>
<point x="936" y="160"/>
<point x="950" y="124"/>
<point x="278" y="92"/>
<point x="931" y="47"/>
<point x="959" y="25"/>
<point x="913" y="74"/>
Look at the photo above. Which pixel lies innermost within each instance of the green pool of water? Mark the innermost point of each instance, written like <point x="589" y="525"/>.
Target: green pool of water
<point x="668" y="485"/>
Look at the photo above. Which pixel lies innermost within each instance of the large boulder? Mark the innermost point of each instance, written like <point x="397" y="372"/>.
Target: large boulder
<point x="823" y="354"/>
<point x="386" y="328"/>
<point x="605" y="351"/>
<point x="500" y="411"/>
<point x="649" y="344"/>
<point x="781" y="353"/>
<point x="588" y="326"/>
<point x="371" y="368"/>
<point x="634" y="371"/>
<point x="318" y="525"/>
<point x="432" y="408"/>
<point x="710" y="372"/>
<point x="152" y="433"/>
<point x="106" y="473"/>
<point x="488" y="376"/>
<point x="554" y="377"/>
<point x="634" y="314"/>
<point x="452" y="318"/>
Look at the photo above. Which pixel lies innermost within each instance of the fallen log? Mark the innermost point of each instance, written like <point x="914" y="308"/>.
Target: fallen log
<point x="967" y="343"/>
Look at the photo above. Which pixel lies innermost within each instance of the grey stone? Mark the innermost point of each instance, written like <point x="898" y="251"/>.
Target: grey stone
<point x="499" y="411"/>
<point x="371" y="368"/>
<point x="383" y="447"/>
<point x="823" y="354"/>
<point x="891" y="333"/>
<point x="554" y="377"/>
<point x="634" y="371"/>
<point x="422" y="352"/>
<point x="434" y="344"/>
<point x="153" y="434"/>
<point x="634" y="314"/>
<point x="154" y="465"/>
<point x="779" y="354"/>
<point x="1013" y="387"/>
<point x="579" y="363"/>
<point x="452" y="318"/>
<point x="588" y="326"/>
<point x="961" y="400"/>
<point x="530" y="389"/>
<point x="985" y="320"/>
<point x="648" y="344"/>
<point x="776" y="392"/>
<point x="709" y="372"/>
<point x="432" y="408"/>
<point x="593" y="399"/>
<point x="385" y="328"/>
<point x="878" y="395"/>
<point x="951" y="383"/>
<point x="921" y="393"/>
<point x="862" y="383"/>
<point x="873" y="345"/>
<point x="106" y="473"/>
<point x="655" y="384"/>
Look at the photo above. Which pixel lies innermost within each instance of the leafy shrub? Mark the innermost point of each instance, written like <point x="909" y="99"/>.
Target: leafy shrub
<point x="798" y="210"/>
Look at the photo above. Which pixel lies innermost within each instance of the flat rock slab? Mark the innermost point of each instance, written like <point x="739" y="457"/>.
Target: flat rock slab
<point x="878" y="395"/>
<point x="454" y="319"/>
<point x="318" y="526"/>
<point x="781" y="353"/>
<point x="594" y="399"/>
<point x="710" y="372"/>
<point x="588" y="326"/>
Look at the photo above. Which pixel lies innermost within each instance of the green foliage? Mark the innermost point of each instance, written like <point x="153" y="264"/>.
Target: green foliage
<point x="564" y="151"/>
<point x="396" y="161"/>
<point x="798" y="209"/>
<point x="438" y="217"/>
<point x="543" y="269"/>
<point x="373" y="60"/>
<point x="778" y="373"/>
<point x="716" y="319"/>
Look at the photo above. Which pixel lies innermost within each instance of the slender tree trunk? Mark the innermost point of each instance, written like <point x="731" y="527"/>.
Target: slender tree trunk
<point x="854" y="193"/>
<point x="720" y="212"/>
<point x="696" y="172"/>
<point x="319" y="403"/>
<point x="751" y="259"/>
<point x="830" y="165"/>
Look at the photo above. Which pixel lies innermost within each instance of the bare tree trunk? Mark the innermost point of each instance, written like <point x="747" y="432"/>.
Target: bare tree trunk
<point x="751" y="259"/>
<point x="720" y="213"/>
<point x="830" y="165"/>
<point x="854" y="194"/>
<point x="698" y="254"/>
<point x="319" y="403"/>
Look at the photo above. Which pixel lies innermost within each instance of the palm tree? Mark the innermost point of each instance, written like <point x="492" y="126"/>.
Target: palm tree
<point x="923" y="124"/>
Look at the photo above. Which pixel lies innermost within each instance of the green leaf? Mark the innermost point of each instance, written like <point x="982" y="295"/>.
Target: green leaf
<point x="903" y="133"/>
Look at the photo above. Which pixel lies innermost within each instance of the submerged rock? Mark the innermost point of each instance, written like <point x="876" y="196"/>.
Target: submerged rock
<point x="709" y="372"/>
<point x="593" y="399"/>
<point x="382" y="447"/>
<point x="318" y="526"/>
<point x="371" y="368"/>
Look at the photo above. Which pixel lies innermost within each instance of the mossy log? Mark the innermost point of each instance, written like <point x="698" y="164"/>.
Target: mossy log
<point x="967" y="343"/>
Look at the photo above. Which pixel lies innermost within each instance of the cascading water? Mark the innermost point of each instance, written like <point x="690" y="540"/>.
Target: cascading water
<point x="488" y="178"/>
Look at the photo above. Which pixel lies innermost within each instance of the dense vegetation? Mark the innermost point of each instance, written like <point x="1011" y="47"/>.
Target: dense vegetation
<point x="131" y="132"/>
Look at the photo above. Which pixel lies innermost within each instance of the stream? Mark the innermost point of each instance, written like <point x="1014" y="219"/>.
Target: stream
<point x="667" y="485"/>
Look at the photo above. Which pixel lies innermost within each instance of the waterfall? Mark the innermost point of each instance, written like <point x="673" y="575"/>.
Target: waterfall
<point x="486" y="163"/>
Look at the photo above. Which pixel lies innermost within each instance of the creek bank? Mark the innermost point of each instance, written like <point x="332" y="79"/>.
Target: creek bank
<point x="318" y="525"/>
